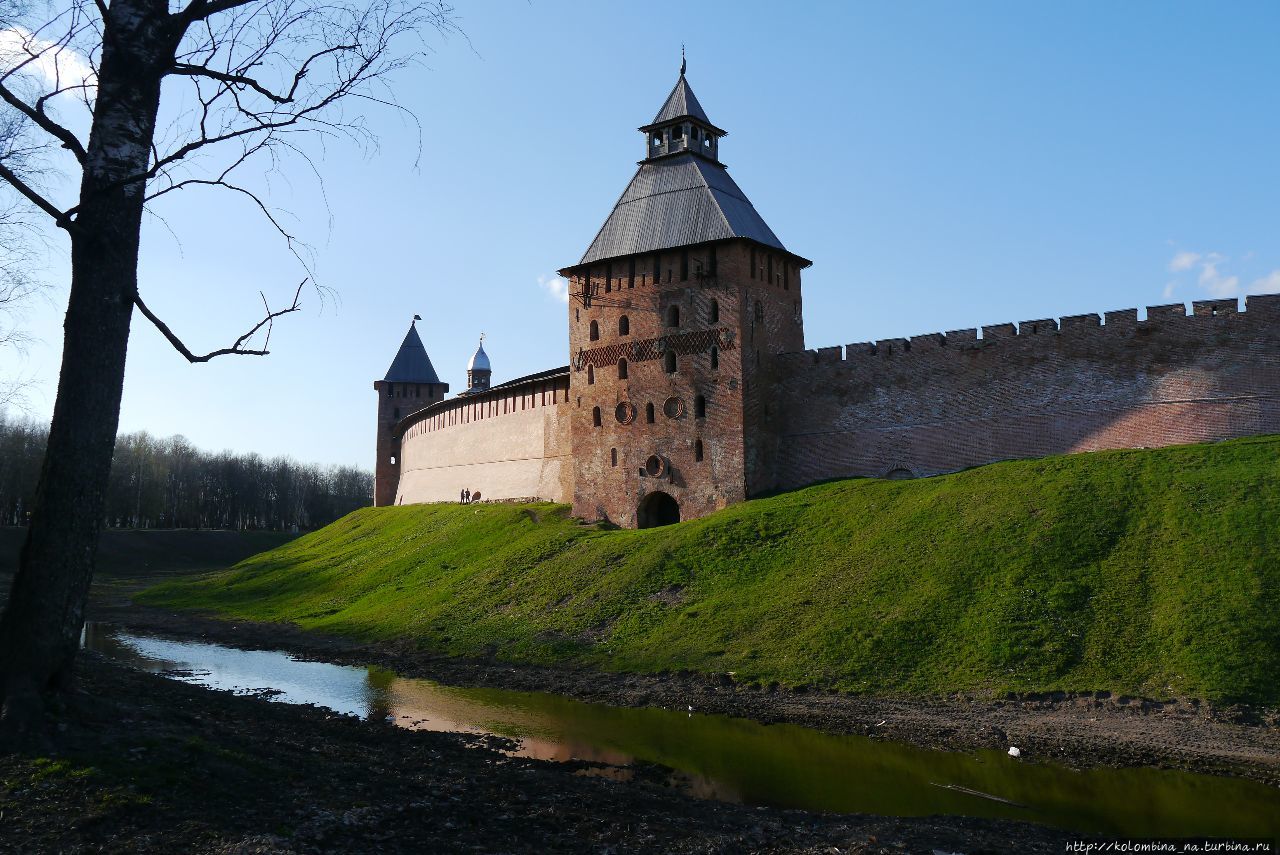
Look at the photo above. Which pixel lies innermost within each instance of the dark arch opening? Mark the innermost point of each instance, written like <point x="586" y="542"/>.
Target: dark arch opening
<point x="715" y="311"/>
<point x="657" y="509"/>
<point x="899" y="473"/>
<point x="624" y="325"/>
<point x="622" y="369"/>
<point x="595" y="331"/>
<point x="669" y="362"/>
<point x="591" y="374"/>
<point x="673" y="316"/>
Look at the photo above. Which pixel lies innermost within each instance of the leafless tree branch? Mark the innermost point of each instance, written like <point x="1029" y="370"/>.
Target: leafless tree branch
<point x="62" y="218"/>
<point x="237" y="348"/>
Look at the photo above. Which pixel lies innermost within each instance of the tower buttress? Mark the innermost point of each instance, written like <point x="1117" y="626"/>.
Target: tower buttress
<point x="409" y="385"/>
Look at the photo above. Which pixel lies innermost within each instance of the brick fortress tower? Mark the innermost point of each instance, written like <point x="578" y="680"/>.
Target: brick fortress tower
<point x="410" y="384"/>
<point x="675" y="310"/>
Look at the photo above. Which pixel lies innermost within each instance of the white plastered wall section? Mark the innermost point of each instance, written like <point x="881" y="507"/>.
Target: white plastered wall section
<point x="520" y="455"/>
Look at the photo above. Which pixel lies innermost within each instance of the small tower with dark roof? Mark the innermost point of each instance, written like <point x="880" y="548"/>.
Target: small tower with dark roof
<point x="410" y="384"/>
<point x="479" y="371"/>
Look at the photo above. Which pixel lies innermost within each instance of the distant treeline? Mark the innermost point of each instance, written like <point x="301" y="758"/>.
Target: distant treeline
<point x="168" y="483"/>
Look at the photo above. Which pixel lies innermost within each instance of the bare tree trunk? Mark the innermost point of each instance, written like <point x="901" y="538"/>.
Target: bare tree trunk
<point x="40" y="629"/>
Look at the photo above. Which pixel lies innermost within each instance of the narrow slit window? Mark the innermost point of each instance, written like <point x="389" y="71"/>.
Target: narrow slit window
<point x="715" y="311"/>
<point x="624" y="325"/>
<point x="715" y="357"/>
<point x="622" y="369"/>
<point x="673" y="316"/>
<point x="700" y="407"/>
<point x="595" y="416"/>
<point x="697" y="450"/>
<point x="669" y="362"/>
<point x="595" y="331"/>
<point x="591" y="374"/>
<point x="648" y="413"/>
<point x="613" y="457"/>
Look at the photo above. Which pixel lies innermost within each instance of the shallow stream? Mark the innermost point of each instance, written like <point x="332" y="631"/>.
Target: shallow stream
<point x="736" y="759"/>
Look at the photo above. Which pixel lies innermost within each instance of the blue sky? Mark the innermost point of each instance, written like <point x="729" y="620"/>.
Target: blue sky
<point x="945" y="165"/>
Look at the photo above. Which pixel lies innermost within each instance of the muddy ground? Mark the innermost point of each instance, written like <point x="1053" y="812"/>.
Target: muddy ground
<point x="137" y="763"/>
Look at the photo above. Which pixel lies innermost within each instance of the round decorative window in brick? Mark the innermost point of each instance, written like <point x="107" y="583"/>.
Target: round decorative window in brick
<point x="625" y="413"/>
<point x="655" y="466"/>
<point x="673" y="408"/>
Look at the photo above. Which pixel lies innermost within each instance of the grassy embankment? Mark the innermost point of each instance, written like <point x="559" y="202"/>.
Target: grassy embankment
<point x="1147" y="572"/>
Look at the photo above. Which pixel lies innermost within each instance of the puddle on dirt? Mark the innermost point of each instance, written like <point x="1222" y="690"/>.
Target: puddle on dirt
<point x="736" y="759"/>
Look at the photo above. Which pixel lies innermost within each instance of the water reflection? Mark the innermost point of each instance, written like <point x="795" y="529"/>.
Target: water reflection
<point x="736" y="759"/>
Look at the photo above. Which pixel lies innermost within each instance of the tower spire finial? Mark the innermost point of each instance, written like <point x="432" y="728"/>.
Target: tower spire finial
<point x="683" y="63"/>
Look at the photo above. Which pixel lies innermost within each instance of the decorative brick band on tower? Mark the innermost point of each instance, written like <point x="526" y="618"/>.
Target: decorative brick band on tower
<point x="677" y="309"/>
<point x="689" y="386"/>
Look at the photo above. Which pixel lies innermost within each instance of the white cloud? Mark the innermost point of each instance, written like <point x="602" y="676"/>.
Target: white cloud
<point x="1218" y="284"/>
<point x="1168" y="290"/>
<point x="1183" y="261"/>
<point x="55" y="65"/>
<point x="1269" y="284"/>
<point x="556" y="286"/>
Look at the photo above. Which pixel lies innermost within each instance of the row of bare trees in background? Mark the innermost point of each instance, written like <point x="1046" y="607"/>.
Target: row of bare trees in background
<point x="168" y="483"/>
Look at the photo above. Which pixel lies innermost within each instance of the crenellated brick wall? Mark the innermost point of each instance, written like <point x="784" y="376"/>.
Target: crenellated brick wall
<point x="946" y="401"/>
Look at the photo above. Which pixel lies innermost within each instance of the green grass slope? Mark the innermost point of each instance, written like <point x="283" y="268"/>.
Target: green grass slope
<point x="1147" y="572"/>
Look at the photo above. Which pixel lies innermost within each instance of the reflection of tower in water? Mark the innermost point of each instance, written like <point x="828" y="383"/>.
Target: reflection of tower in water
<point x="378" y="703"/>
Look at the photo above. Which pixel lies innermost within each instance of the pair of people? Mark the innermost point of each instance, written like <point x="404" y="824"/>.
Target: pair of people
<point x="466" y="497"/>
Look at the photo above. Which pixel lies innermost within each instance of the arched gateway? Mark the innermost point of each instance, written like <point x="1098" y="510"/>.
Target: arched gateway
<point x="657" y="509"/>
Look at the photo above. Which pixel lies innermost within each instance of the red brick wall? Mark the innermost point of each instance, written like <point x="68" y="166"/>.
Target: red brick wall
<point x="939" y="403"/>
<point x="613" y="491"/>
<point x="396" y="401"/>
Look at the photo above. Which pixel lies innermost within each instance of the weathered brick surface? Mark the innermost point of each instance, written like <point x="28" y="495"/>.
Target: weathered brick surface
<point x="395" y="402"/>
<point x="1046" y="388"/>
<point x="715" y="311"/>
<point x="778" y="417"/>
<point x="508" y="443"/>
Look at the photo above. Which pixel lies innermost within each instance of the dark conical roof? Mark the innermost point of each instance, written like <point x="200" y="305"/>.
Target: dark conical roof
<point x="681" y="102"/>
<point x="411" y="365"/>
<point x="678" y="201"/>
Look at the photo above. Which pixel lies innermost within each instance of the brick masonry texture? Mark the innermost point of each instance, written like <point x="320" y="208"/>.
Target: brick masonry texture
<point x="942" y="402"/>
<point x="776" y="416"/>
